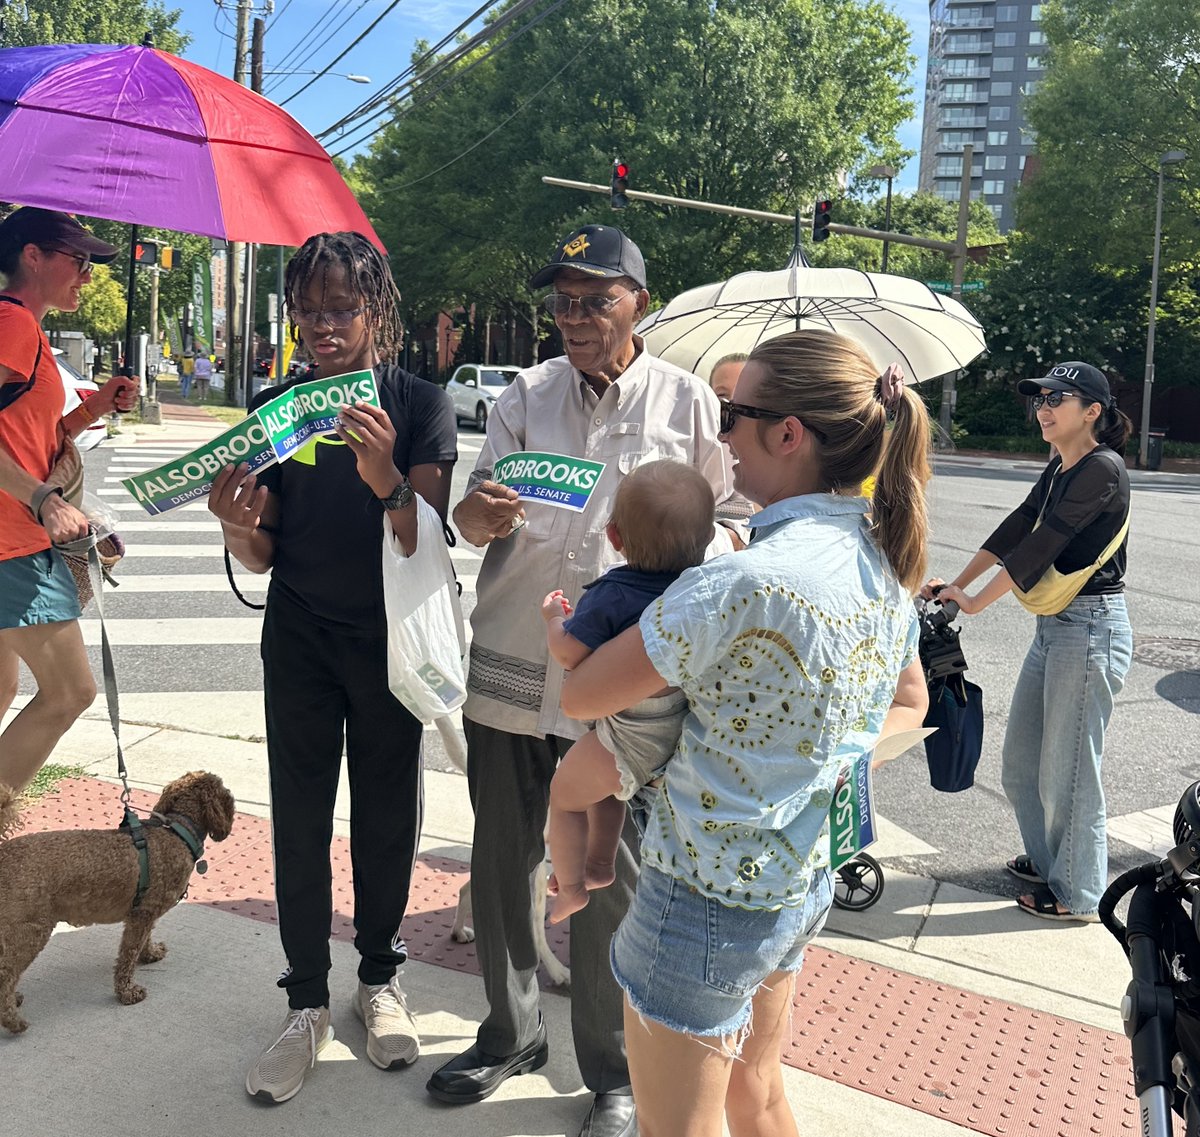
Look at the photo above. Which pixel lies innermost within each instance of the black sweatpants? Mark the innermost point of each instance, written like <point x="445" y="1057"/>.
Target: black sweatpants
<point x="323" y="687"/>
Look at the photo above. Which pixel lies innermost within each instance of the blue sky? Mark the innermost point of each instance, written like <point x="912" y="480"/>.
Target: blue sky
<point x="387" y="50"/>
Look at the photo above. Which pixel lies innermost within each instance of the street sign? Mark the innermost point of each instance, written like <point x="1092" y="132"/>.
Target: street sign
<point x="947" y="286"/>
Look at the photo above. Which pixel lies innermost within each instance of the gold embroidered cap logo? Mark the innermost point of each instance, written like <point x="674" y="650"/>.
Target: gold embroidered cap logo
<point x="576" y="246"/>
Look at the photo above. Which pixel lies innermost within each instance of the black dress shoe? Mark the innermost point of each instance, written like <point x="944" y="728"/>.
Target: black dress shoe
<point x="611" y="1115"/>
<point x="474" y="1075"/>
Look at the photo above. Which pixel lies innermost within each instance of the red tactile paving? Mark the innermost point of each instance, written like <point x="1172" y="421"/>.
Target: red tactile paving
<point x="989" y="1066"/>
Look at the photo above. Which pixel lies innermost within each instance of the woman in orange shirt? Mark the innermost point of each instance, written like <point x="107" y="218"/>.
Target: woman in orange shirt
<point x="45" y="258"/>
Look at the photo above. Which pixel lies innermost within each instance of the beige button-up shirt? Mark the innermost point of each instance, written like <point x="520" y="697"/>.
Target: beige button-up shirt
<point x="654" y="410"/>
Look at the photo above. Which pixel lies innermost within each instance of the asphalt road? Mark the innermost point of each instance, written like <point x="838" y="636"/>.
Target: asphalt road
<point x="1153" y="750"/>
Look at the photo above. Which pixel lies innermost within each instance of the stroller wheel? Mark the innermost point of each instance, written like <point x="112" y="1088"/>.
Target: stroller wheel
<point x="859" y="883"/>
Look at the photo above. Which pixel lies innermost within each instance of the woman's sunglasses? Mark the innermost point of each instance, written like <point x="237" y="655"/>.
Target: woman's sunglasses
<point x="731" y="412"/>
<point x="1054" y="399"/>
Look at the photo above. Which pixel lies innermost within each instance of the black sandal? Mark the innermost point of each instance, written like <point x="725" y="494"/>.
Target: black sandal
<point x="1045" y="906"/>
<point x="1022" y="868"/>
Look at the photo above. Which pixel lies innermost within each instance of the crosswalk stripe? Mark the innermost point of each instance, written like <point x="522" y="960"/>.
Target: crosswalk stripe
<point x="148" y="526"/>
<point x="191" y="582"/>
<point x="134" y="507"/>
<point x="134" y="550"/>
<point x="176" y="631"/>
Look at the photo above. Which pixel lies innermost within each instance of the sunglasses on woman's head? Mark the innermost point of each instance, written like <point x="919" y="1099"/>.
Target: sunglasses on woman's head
<point x="1053" y="399"/>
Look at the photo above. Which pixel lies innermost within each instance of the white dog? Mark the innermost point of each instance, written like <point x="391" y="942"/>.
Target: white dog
<point x="462" y="932"/>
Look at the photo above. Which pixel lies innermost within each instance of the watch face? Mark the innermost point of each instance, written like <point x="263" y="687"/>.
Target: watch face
<point x="400" y="497"/>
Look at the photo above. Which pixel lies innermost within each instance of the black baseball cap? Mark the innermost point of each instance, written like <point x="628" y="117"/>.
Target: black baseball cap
<point x="47" y="228"/>
<point x="598" y="250"/>
<point x="1079" y="378"/>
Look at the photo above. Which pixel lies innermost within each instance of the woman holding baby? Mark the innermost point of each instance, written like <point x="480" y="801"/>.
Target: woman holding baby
<point x="796" y="655"/>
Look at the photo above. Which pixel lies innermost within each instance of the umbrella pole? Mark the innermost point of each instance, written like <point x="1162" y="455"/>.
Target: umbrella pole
<point x="127" y="370"/>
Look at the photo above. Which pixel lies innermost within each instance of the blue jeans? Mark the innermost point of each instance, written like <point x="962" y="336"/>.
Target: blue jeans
<point x="1054" y="744"/>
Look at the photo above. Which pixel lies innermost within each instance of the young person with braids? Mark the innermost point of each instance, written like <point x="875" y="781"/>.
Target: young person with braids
<point x="316" y="522"/>
<point x="1075" y="520"/>
<point x="796" y="655"/>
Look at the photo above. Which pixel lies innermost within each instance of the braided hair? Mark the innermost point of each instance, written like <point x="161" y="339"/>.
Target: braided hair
<point x="367" y="273"/>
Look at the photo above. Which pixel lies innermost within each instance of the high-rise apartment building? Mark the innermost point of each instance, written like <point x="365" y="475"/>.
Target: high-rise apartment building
<point x="984" y="58"/>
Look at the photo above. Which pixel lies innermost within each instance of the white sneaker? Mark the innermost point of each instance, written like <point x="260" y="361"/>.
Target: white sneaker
<point x="391" y="1031"/>
<point x="280" y="1070"/>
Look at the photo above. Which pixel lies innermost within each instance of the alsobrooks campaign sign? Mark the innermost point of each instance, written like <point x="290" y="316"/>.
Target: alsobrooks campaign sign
<point x="555" y="479"/>
<point x="271" y="434"/>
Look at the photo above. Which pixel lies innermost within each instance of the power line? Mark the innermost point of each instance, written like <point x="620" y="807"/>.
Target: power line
<point x="423" y="97"/>
<point x="327" y="15"/>
<point x="383" y="95"/>
<point x="496" y="130"/>
<point x="317" y="46"/>
<point x="327" y="68"/>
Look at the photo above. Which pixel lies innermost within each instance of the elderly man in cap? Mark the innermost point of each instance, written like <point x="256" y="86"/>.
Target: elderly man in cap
<point x="608" y="402"/>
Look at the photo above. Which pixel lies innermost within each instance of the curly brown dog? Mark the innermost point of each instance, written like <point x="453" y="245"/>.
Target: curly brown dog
<point x="91" y="876"/>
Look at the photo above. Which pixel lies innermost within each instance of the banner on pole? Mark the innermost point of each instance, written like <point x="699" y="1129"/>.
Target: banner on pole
<point x="202" y="307"/>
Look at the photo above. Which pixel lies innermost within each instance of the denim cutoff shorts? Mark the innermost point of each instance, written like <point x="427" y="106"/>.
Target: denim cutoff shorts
<point x="37" y="589"/>
<point x="693" y="964"/>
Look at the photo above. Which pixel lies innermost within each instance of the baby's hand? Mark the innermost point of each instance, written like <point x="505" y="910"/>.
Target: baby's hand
<point x="555" y="604"/>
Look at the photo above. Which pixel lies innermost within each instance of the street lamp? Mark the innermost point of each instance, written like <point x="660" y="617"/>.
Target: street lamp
<point x="888" y="172"/>
<point x="335" y="74"/>
<point x="1170" y="158"/>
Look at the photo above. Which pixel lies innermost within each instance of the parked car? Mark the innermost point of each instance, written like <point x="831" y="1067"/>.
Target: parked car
<point x="77" y="388"/>
<point x="473" y="389"/>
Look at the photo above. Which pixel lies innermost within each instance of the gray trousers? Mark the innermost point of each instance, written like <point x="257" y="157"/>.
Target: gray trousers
<point x="509" y="778"/>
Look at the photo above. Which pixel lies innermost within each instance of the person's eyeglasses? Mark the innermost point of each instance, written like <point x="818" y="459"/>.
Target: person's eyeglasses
<point x="82" y="262"/>
<point x="334" y="317"/>
<point x="731" y="412"/>
<point x="559" y="304"/>
<point x="1054" y="399"/>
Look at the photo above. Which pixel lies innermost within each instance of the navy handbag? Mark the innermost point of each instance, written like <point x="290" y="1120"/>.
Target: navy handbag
<point x="956" y="709"/>
<point x="955" y="703"/>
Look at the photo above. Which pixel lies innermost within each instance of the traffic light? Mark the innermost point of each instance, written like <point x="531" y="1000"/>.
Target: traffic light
<point x="146" y="252"/>
<point x="620" y="183"/>
<point x="822" y="215"/>
<point x="166" y="257"/>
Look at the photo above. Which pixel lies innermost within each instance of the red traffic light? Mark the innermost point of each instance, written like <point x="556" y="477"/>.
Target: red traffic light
<point x="620" y="183"/>
<point x="822" y="215"/>
<point x="621" y="170"/>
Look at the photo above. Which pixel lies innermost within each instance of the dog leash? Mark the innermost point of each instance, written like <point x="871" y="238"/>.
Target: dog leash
<point x="85" y="547"/>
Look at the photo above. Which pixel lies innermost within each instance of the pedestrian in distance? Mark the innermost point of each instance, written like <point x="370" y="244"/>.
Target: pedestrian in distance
<point x="45" y="258"/>
<point x="796" y="656"/>
<point x="203" y="370"/>
<point x="316" y="521"/>
<point x="724" y="375"/>
<point x="1063" y="552"/>
<point x="609" y="401"/>
<point x="662" y="523"/>
<point x="187" y="368"/>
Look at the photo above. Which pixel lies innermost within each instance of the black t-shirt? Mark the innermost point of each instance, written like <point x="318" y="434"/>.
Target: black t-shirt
<point x="329" y="546"/>
<point x="1084" y="509"/>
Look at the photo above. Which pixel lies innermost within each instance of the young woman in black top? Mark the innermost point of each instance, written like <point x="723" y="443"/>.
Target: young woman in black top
<point x="1076" y="515"/>
<point x="316" y="521"/>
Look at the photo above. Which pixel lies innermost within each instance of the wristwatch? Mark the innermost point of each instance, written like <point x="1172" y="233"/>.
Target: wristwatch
<point x="401" y="497"/>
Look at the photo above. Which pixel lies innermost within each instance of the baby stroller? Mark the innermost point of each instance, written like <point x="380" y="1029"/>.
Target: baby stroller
<point x="1161" y="1008"/>
<point x="858" y="883"/>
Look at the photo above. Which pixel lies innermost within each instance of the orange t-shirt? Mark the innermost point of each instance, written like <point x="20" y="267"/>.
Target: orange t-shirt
<point x="28" y="426"/>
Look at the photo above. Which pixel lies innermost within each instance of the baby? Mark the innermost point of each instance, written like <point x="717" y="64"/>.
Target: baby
<point x="662" y="522"/>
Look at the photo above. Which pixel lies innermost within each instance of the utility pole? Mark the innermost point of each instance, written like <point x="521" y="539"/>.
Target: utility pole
<point x="152" y="383"/>
<point x="248" y="298"/>
<point x="235" y="374"/>
<point x="949" y="395"/>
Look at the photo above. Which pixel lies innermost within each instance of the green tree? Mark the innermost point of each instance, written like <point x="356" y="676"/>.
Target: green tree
<point x="97" y="21"/>
<point x="747" y="102"/>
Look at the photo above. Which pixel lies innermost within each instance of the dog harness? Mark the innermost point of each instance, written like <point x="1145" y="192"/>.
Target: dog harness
<point x="183" y="828"/>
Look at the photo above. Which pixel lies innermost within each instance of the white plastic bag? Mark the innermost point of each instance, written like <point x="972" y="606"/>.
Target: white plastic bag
<point x="426" y="637"/>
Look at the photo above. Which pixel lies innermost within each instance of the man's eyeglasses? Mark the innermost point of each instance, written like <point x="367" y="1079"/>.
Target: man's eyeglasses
<point x="1054" y="399"/>
<point x="333" y="317"/>
<point x="731" y="412"/>
<point x="82" y="262"/>
<point x="560" y="304"/>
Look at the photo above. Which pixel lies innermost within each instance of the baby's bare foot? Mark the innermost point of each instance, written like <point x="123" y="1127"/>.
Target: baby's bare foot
<point x="599" y="874"/>
<point x="568" y="899"/>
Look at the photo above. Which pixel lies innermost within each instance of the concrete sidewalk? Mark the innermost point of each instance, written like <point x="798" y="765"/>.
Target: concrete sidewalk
<point x="964" y="964"/>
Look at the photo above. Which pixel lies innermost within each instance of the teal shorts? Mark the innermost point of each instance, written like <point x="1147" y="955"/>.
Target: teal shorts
<point x="37" y="589"/>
